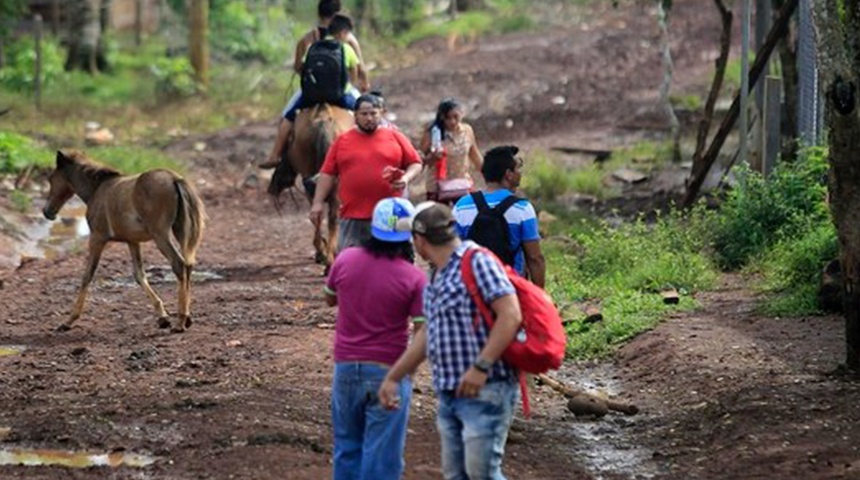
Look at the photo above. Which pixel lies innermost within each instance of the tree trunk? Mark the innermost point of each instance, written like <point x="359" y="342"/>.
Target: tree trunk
<point x="468" y="5"/>
<point x="85" y="49"/>
<point x="788" y="62"/>
<point x="840" y="76"/>
<point x="198" y="41"/>
<point x="663" y="9"/>
<point x="716" y="84"/>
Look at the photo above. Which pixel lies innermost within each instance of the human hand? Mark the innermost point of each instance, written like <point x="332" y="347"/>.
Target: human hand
<point x="389" y="395"/>
<point x="315" y="214"/>
<point x="471" y="383"/>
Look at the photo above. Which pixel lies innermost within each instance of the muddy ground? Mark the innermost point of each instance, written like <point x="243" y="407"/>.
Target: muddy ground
<point x="724" y="392"/>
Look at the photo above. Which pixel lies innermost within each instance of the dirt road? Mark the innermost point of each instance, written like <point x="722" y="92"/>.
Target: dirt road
<point x="244" y="393"/>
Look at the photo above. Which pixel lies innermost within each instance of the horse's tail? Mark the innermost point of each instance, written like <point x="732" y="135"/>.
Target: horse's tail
<point x="190" y="220"/>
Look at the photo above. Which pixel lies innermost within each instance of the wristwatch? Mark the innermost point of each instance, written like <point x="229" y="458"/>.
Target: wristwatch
<point x="483" y="365"/>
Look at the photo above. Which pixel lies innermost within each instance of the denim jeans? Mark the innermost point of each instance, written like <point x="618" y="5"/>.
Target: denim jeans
<point x="368" y="439"/>
<point x="474" y="431"/>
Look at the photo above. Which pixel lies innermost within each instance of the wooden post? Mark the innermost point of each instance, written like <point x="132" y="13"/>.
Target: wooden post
<point x="37" y="74"/>
<point x="199" y="41"/>
<point x="138" y="22"/>
<point x="452" y="10"/>
<point x="771" y="125"/>
<point x="55" y="17"/>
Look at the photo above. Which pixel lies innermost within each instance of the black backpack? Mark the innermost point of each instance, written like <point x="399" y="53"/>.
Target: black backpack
<point x="324" y="75"/>
<point x="490" y="229"/>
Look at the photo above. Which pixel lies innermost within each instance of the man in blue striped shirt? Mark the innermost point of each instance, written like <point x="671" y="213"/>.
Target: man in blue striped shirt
<point x="502" y="171"/>
<point x="477" y="391"/>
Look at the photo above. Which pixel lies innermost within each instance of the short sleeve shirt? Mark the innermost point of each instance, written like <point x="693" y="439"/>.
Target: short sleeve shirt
<point x="454" y="339"/>
<point x="521" y="217"/>
<point x="358" y="160"/>
<point x="376" y="297"/>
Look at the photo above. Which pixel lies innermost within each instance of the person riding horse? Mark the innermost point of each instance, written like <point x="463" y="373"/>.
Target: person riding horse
<point x="327" y="68"/>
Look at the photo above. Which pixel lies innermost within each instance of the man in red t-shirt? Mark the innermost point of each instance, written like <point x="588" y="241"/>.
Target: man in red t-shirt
<point x="362" y="160"/>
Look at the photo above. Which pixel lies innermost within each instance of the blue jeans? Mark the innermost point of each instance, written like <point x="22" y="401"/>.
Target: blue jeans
<point x="474" y="431"/>
<point x="346" y="101"/>
<point x="368" y="439"/>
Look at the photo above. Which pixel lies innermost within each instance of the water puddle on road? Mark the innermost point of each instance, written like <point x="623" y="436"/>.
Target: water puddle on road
<point x="34" y="457"/>
<point x="48" y="239"/>
<point x="9" y="350"/>
<point x="608" y="447"/>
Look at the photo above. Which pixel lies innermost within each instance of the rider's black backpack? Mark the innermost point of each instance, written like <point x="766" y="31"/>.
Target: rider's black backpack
<point x="490" y="228"/>
<point x="324" y="75"/>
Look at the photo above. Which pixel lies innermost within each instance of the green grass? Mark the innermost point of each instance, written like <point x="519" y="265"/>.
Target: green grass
<point x="623" y="270"/>
<point x="131" y="159"/>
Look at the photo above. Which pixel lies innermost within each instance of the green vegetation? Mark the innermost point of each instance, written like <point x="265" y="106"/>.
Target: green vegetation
<point x="131" y="160"/>
<point x="758" y="213"/>
<point x="545" y="180"/>
<point x="778" y="232"/>
<point x="17" y="152"/>
<point x="623" y="269"/>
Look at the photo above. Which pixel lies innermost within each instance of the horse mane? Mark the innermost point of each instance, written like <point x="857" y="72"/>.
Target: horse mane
<point x="89" y="168"/>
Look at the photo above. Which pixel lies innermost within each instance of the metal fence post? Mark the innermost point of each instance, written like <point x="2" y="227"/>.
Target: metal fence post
<point x="772" y="131"/>
<point x="808" y="98"/>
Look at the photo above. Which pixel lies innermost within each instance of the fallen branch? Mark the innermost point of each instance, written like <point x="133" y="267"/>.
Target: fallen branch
<point x="586" y="402"/>
<point x="4" y="111"/>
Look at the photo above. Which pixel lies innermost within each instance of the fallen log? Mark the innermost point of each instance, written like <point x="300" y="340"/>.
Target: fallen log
<point x="585" y="403"/>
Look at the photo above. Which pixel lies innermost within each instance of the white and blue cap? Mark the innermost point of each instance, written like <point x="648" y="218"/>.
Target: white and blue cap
<point x="392" y="220"/>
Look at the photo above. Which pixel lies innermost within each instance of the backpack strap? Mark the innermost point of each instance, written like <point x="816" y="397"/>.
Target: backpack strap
<point x="471" y="283"/>
<point x="506" y="204"/>
<point x="480" y="201"/>
<point x="484" y="310"/>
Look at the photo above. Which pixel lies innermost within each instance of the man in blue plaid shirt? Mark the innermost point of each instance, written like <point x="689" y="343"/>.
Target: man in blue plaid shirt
<point x="477" y="391"/>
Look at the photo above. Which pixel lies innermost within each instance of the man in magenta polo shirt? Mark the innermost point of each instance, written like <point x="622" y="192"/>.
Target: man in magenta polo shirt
<point x="377" y="289"/>
<point x="358" y="160"/>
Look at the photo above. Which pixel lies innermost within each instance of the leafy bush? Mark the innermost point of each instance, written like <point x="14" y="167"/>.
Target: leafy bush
<point x="174" y="78"/>
<point x="243" y="35"/>
<point x="759" y="213"/>
<point x="20" y="73"/>
<point x="791" y="270"/>
<point x="17" y="152"/>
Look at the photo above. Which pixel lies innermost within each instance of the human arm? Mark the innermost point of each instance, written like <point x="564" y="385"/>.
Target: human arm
<point x="474" y="152"/>
<point x="406" y="364"/>
<point x="535" y="262"/>
<point x="361" y="77"/>
<point x="412" y="171"/>
<point x="507" y="323"/>
<point x="330" y="297"/>
<point x="301" y="49"/>
<point x="325" y="185"/>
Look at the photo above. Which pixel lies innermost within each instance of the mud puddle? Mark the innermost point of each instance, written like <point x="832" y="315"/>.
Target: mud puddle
<point x="71" y="459"/>
<point x="608" y="447"/>
<point x="9" y="350"/>
<point x="50" y="239"/>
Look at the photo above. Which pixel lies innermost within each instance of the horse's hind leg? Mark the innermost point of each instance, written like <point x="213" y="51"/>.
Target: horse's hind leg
<point x="140" y="278"/>
<point x="332" y="248"/>
<point x="167" y="245"/>
<point x="97" y="245"/>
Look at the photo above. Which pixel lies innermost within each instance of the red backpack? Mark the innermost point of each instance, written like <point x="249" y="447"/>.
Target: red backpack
<point x="540" y="344"/>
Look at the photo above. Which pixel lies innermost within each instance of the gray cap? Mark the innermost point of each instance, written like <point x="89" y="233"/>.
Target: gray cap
<point x="434" y="221"/>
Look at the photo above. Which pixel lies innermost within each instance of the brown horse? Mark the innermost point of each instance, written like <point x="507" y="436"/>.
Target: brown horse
<point x="156" y="205"/>
<point x="315" y="130"/>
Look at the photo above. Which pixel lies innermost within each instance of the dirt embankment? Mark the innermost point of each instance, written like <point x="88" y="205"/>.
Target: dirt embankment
<point x="725" y="393"/>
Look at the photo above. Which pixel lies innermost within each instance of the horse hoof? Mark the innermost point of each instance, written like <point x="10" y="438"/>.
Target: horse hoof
<point x="319" y="258"/>
<point x="63" y="328"/>
<point x="177" y="329"/>
<point x="163" y="322"/>
<point x="188" y="322"/>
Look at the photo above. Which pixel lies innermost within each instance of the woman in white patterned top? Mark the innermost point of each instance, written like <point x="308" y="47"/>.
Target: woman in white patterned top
<point x="448" y="146"/>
